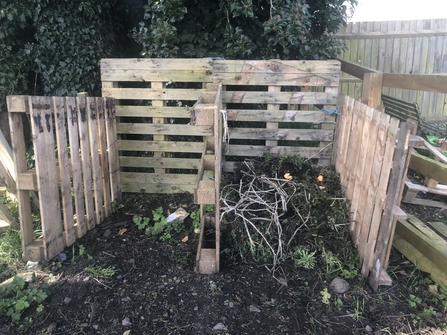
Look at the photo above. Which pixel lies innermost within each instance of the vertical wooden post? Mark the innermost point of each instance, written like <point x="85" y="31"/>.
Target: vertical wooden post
<point x="16" y="106"/>
<point x="372" y="89"/>
<point x="388" y="220"/>
<point x="159" y="120"/>
<point x="272" y="125"/>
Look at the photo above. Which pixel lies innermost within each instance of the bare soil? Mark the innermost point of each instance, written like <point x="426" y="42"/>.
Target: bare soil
<point x="155" y="291"/>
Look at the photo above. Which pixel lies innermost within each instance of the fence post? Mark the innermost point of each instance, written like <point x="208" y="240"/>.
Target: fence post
<point x="372" y="89"/>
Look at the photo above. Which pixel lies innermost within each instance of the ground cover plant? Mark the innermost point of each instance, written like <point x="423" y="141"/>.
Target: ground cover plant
<point x="126" y="277"/>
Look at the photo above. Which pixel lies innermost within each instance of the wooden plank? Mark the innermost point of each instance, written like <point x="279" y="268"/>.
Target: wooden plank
<point x="417" y="82"/>
<point x="59" y="108"/>
<point x="378" y="139"/>
<point x="284" y="79"/>
<point x="156" y="69"/>
<point x="365" y="204"/>
<point x="152" y="111"/>
<point x="43" y="142"/>
<point x="384" y="157"/>
<point x="218" y="147"/>
<point x="282" y="134"/>
<point x="16" y="106"/>
<point x="422" y="262"/>
<point x="279" y="116"/>
<point x="159" y="162"/>
<point x="353" y="149"/>
<point x="112" y="145"/>
<point x="259" y="150"/>
<point x="291" y="98"/>
<point x="159" y="121"/>
<point x="433" y="247"/>
<point x="92" y="116"/>
<point x="163" y="129"/>
<point x="155" y="178"/>
<point x="429" y="203"/>
<point x="7" y="170"/>
<point x="155" y="93"/>
<point x="355" y="70"/>
<point x="428" y="167"/>
<point x="392" y="34"/>
<point x="78" y="190"/>
<point x="328" y="126"/>
<point x="159" y="188"/>
<point x="439" y="227"/>
<point x="86" y="161"/>
<point x="164" y="146"/>
<point x="387" y="223"/>
<point x="104" y="159"/>
<point x="372" y="89"/>
<point x="269" y="125"/>
<point x="277" y="66"/>
<point x="345" y="133"/>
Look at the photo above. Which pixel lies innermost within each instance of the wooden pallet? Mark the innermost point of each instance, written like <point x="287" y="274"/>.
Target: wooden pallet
<point x="207" y="186"/>
<point x="425" y="245"/>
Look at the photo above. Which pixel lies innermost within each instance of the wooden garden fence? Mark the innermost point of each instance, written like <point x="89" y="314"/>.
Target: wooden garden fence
<point x="76" y="171"/>
<point x="399" y="47"/>
<point x="371" y="153"/>
<point x="159" y="149"/>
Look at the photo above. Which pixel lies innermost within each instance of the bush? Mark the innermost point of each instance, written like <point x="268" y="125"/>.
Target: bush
<point x="54" y="47"/>
<point x="242" y="28"/>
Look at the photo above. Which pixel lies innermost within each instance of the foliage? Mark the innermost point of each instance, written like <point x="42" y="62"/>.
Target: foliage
<point x="11" y="239"/>
<point x="141" y="222"/>
<point x="100" y="272"/>
<point x="306" y="224"/>
<point x="54" y="47"/>
<point x="161" y="228"/>
<point x="242" y="29"/>
<point x="18" y="296"/>
<point x="15" y="64"/>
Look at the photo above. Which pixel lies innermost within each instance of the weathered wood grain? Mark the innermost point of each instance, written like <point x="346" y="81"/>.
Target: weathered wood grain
<point x="290" y="98"/>
<point x="65" y="171"/>
<point x="163" y="129"/>
<point x="45" y="159"/>
<point x="163" y="146"/>
<point x="282" y="134"/>
<point x="280" y="116"/>
<point x="144" y="69"/>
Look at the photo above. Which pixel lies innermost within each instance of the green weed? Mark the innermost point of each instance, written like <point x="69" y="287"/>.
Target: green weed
<point x="18" y="297"/>
<point x="100" y="272"/>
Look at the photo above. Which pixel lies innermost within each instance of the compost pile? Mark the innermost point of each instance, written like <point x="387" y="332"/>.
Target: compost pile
<point x="284" y="210"/>
<point x="285" y="238"/>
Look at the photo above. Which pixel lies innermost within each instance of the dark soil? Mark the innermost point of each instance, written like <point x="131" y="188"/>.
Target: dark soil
<point x="156" y="291"/>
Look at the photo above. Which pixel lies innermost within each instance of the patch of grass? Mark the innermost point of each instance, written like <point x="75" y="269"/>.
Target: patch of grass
<point x="100" y="272"/>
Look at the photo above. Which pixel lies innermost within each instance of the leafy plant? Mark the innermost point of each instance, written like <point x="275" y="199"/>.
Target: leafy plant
<point x="99" y="272"/>
<point x="242" y="29"/>
<point x="161" y="228"/>
<point x="325" y="296"/>
<point x="195" y="216"/>
<point x="116" y="206"/>
<point x="17" y="297"/>
<point x="141" y="222"/>
<point x="304" y="258"/>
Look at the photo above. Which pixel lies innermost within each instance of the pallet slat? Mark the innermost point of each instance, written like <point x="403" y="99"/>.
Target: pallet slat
<point x="45" y="159"/>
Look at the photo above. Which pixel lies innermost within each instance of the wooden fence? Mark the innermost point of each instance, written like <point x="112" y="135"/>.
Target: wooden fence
<point x="76" y="168"/>
<point x="371" y="154"/>
<point x="160" y="151"/>
<point x="405" y="47"/>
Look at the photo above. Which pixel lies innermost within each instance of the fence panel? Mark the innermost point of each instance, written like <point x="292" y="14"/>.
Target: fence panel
<point x="366" y="151"/>
<point x="69" y="175"/>
<point x="407" y="47"/>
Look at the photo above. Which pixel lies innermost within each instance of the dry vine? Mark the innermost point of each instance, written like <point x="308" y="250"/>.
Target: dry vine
<point x="263" y="199"/>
